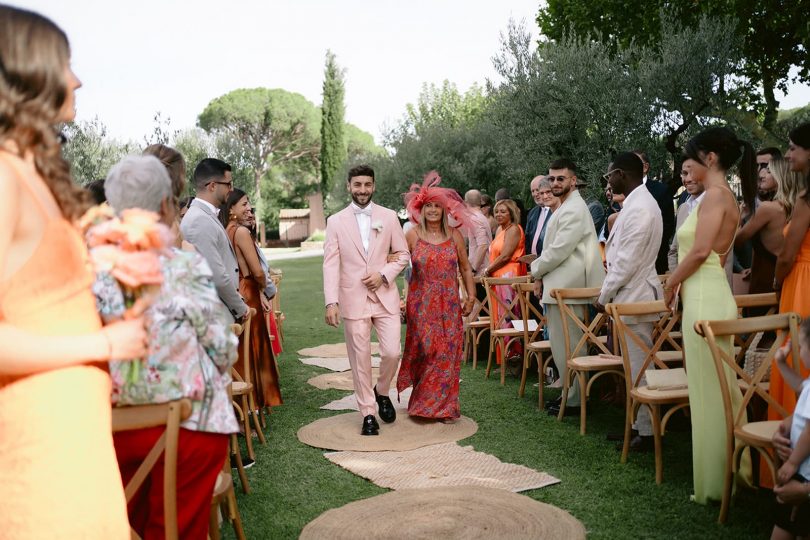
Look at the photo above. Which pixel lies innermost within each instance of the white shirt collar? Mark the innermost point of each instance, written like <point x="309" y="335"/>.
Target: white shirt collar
<point x="354" y="206"/>
<point x="209" y="205"/>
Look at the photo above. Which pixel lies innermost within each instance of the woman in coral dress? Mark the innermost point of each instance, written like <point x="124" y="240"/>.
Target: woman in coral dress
<point x="704" y="241"/>
<point x="505" y="252"/>
<point x="252" y="282"/>
<point x="431" y="362"/>
<point x="58" y="473"/>
<point x="793" y="264"/>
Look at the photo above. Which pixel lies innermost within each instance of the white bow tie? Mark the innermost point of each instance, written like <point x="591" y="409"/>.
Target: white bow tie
<point x="365" y="211"/>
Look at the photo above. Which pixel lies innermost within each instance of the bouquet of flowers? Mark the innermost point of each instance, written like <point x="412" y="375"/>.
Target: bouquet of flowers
<point x="127" y="247"/>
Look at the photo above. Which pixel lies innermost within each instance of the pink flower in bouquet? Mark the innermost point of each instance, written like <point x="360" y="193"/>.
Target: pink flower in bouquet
<point x="142" y="230"/>
<point x="104" y="257"/>
<point x="94" y="216"/>
<point x="105" y="233"/>
<point x="137" y="268"/>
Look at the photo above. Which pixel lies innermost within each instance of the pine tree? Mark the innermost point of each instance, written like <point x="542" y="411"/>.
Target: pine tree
<point x="333" y="143"/>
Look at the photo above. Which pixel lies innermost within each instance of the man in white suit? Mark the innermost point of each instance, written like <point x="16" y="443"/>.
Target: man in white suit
<point x="570" y="259"/>
<point x="202" y="228"/>
<point x="631" y="252"/>
<point x="359" y="287"/>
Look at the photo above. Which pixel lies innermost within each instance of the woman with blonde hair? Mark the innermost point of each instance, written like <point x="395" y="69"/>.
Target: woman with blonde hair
<point x="58" y="473"/>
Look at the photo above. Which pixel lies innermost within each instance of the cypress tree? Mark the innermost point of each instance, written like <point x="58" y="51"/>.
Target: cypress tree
<point x="333" y="144"/>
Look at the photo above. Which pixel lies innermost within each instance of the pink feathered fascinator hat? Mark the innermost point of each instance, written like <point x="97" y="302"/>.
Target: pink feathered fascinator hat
<point x="458" y="214"/>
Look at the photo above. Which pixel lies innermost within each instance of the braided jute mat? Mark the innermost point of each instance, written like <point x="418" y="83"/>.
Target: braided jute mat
<point x="339" y="381"/>
<point x="334" y="350"/>
<point x="349" y="403"/>
<point x="334" y="363"/>
<point x="438" y="465"/>
<point x="445" y="513"/>
<point x="342" y="432"/>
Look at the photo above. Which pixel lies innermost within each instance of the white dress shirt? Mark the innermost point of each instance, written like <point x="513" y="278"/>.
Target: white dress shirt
<point x="363" y="217"/>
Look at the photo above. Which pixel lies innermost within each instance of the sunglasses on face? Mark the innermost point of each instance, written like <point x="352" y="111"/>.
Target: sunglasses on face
<point x="560" y="179"/>
<point x="763" y="166"/>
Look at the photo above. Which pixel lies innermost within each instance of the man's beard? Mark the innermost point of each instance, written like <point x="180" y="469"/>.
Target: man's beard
<point x="766" y="196"/>
<point x="358" y="203"/>
<point x="563" y="191"/>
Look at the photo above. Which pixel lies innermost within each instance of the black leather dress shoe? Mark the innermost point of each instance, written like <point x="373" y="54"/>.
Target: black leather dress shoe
<point x="569" y="411"/>
<point x="554" y="403"/>
<point x="640" y="444"/>
<point x="387" y="412"/>
<point x="370" y="426"/>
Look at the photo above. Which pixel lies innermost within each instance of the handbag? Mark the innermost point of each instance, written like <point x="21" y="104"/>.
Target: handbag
<point x="754" y="357"/>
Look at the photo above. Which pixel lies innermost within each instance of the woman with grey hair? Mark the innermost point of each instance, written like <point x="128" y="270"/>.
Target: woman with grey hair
<point x="191" y="351"/>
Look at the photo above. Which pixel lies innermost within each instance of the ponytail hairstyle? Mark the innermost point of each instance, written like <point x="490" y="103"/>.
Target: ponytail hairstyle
<point x="730" y="150"/>
<point x="34" y="54"/>
<point x="788" y="184"/>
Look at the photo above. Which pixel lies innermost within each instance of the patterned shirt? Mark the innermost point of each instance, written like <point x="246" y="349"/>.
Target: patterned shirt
<point x="191" y="345"/>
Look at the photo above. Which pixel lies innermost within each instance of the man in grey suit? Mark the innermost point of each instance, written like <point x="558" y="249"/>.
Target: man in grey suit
<point x="632" y="251"/>
<point x="570" y="259"/>
<point x="201" y="227"/>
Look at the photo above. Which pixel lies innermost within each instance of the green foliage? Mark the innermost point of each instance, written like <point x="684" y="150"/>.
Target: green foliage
<point x="261" y="129"/>
<point x="195" y="145"/>
<point x="773" y="34"/>
<point x="333" y="143"/>
<point x="90" y="151"/>
<point x="444" y="105"/>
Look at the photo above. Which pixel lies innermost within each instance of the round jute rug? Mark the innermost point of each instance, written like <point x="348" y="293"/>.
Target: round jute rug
<point x="339" y="381"/>
<point x="446" y="513"/>
<point x="334" y="350"/>
<point x="342" y="432"/>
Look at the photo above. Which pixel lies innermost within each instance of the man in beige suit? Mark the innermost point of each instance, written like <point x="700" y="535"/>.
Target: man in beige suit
<point x="570" y="259"/>
<point x="359" y="286"/>
<point x="632" y="249"/>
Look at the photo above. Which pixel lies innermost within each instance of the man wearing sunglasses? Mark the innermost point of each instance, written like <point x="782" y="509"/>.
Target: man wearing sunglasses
<point x="570" y="259"/>
<point x="201" y="227"/>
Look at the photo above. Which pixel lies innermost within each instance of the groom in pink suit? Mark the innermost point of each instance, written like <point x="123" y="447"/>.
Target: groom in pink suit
<point x="359" y="287"/>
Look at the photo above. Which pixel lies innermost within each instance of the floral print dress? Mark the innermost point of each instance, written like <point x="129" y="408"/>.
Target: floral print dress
<point x="431" y="362"/>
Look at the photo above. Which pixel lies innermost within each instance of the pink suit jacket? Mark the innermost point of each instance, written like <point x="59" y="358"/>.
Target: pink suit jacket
<point x="345" y="262"/>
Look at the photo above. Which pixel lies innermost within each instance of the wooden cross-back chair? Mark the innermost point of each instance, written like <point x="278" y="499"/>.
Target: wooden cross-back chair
<point x="243" y="399"/>
<point x="639" y="394"/>
<point x="533" y="344"/>
<point x="170" y="414"/>
<point x="501" y="313"/>
<point x="224" y="498"/>
<point x="579" y="361"/>
<point x="748" y="301"/>
<point x="475" y="324"/>
<point x="739" y="432"/>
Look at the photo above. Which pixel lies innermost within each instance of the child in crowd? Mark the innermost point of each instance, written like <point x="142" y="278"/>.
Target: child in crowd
<point x="793" y="478"/>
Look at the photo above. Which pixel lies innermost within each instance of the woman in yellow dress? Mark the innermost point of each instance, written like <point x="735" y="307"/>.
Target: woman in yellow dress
<point x="58" y="473"/>
<point x="704" y="241"/>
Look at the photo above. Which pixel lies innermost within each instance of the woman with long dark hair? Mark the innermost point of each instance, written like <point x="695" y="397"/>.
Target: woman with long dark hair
<point x="235" y="214"/>
<point x="704" y="241"/>
<point x="58" y="473"/>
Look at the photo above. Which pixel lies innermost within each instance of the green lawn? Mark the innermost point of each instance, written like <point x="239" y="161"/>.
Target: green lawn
<point x="293" y="483"/>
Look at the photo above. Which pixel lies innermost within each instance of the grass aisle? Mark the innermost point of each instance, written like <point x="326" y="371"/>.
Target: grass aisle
<point x="292" y="483"/>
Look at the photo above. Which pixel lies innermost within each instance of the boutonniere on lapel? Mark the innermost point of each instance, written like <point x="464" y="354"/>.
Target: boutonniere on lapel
<point x="377" y="226"/>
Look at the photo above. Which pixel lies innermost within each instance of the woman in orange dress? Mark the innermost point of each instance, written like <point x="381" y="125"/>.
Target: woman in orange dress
<point x="504" y="253"/>
<point x="793" y="264"/>
<point x="58" y="473"/>
<point x="252" y="283"/>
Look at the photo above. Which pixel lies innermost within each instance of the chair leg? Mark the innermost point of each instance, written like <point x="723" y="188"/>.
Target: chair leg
<point x="213" y="523"/>
<point x="583" y="402"/>
<point x="504" y="349"/>
<point x="256" y="415"/>
<point x="628" y="428"/>
<point x="659" y="458"/>
<point x="564" y="400"/>
<point x="728" y="480"/>
<point x="236" y="519"/>
<point x="489" y="358"/>
<point x="522" y="390"/>
<point x="240" y="468"/>
<point x="246" y="425"/>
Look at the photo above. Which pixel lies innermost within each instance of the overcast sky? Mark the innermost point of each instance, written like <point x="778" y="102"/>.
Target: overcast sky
<point x="136" y="58"/>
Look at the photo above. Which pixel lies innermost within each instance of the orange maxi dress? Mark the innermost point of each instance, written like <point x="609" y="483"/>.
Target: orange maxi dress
<point x="58" y="473"/>
<point x="795" y="297"/>
<point x="513" y="268"/>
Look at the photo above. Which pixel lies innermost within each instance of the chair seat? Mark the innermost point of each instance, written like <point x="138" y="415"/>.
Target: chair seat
<point x="676" y="335"/>
<point x="544" y="345"/>
<point x="645" y="395"/>
<point x="596" y="363"/>
<point x="479" y="324"/>
<point x="757" y="433"/>
<point x="507" y="332"/>
<point x="238" y="388"/>
<point x="670" y="356"/>
<point x="223" y="483"/>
